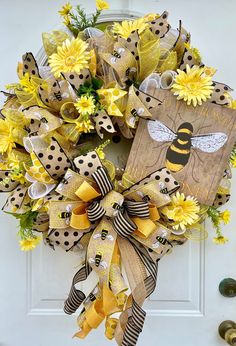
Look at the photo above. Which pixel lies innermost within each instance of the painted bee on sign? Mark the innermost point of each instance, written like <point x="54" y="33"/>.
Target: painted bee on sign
<point x="97" y="261"/>
<point x="178" y="153"/>
<point x="117" y="54"/>
<point x="103" y="235"/>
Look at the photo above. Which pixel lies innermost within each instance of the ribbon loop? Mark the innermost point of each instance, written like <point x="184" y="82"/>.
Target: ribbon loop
<point x="123" y="225"/>
<point x="139" y="209"/>
<point x="102" y="180"/>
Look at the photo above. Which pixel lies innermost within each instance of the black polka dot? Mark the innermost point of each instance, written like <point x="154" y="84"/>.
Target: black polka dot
<point x="87" y="77"/>
<point x="153" y="22"/>
<point x="61" y="150"/>
<point x="220" y="203"/>
<point x="71" y="76"/>
<point x="222" y="97"/>
<point x="226" y="88"/>
<point x="33" y="72"/>
<point x="12" y="199"/>
<point x="46" y="100"/>
<point x="128" y="39"/>
<point x="136" y="44"/>
<point x="81" y="76"/>
<point x="100" y="122"/>
<point x="90" y="164"/>
<point x="66" y="234"/>
<point x="60" y="198"/>
<point x="75" y="234"/>
<point x="59" y="159"/>
<point x="164" y="16"/>
<point x="137" y="93"/>
<point x="217" y="90"/>
<point x="167" y="172"/>
<point x="213" y="83"/>
<point x="157" y="32"/>
<point x="6" y="186"/>
<point x="116" y="138"/>
<point x="31" y="121"/>
<point x="93" y="156"/>
<point x="50" y="157"/>
<point x="157" y="177"/>
<point x="57" y="242"/>
<point x="54" y="84"/>
<point x="66" y="243"/>
<point x="189" y="57"/>
<point x="176" y="183"/>
<point x="167" y="180"/>
<point x="86" y="173"/>
<point x="109" y="127"/>
<point x="21" y="194"/>
<point x="133" y="53"/>
<point x="161" y="23"/>
<point x="6" y="174"/>
<point x="137" y="57"/>
<point x="28" y="59"/>
<point x="81" y="161"/>
<point x="48" y="166"/>
<point x="40" y="155"/>
<point x="56" y="234"/>
<point x="17" y="205"/>
<point x="104" y="117"/>
<point x="26" y="67"/>
<point x="52" y="147"/>
<point x="57" y="168"/>
<point x="148" y="99"/>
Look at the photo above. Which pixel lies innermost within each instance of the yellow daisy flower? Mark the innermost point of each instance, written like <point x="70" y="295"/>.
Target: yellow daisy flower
<point x="29" y="243"/>
<point x="85" y="105"/>
<point x="220" y="240"/>
<point x="65" y="10"/>
<point x="126" y="27"/>
<point x="6" y="138"/>
<point x="225" y="216"/>
<point x="72" y="56"/>
<point x="183" y="211"/>
<point x="102" y="5"/>
<point x="84" y="126"/>
<point x="192" y="86"/>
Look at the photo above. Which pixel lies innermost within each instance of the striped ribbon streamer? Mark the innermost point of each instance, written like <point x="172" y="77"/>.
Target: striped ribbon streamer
<point x="95" y="211"/>
<point x="139" y="209"/>
<point x="123" y="225"/>
<point x="76" y="297"/>
<point x="103" y="181"/>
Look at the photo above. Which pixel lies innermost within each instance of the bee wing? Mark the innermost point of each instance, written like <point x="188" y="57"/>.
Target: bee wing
<point x="97" y="236"/>
<point x="92" y="260"/>
<point x="155" y="245"/>
<point x="103" y="264"/>
<point x="160" y="132"/>
<point x="210" y="142"/>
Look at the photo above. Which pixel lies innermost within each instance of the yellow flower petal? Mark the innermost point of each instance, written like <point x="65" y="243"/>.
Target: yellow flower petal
<point x="102" y="5"/>
<point x="29" y="243"/>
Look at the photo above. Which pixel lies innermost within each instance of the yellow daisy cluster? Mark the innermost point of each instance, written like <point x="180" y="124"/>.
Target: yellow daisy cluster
<point x="182" y="211"/>
<point x="85" y="105"/>
<point x="193" y="86"/>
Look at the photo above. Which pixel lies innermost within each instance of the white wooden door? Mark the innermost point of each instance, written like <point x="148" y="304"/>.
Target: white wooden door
<point x="186" y="307"/>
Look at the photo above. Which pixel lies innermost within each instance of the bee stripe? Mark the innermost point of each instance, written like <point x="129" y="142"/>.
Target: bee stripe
<point x="182" y="142"/>
<point x="185" y="131"/>
<point x="173" y="167"/>
<point x="178" y="150"/>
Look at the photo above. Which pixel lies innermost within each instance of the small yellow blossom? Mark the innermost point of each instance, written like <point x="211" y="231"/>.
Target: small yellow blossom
<point x="6" y="138"/>
<point x="85" y="105"/>
<point x="29" y="243"/>
<point x="182" y="211"/>
<point x="225" y="216"/>
<point x="220" y="240"/>
<point x="209" y="71"/>
<point x="66" y="20"/>
<point x="18" y="176"/>
<point x="102" y="5"/>
<point x="126" y="27"/>
<point x="84" y="126"/>
<point x="192" y="86"/>
<point x="72" y="56"/>
<point x="65" y="10"/>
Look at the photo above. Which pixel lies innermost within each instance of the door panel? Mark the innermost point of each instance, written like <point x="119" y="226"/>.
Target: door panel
<point x="186" y="307"/>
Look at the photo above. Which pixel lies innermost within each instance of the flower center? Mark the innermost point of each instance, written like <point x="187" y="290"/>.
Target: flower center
<point x="70" y="60"/>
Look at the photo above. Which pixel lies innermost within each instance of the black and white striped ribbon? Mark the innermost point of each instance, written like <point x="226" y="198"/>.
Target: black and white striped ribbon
<point x="139" y="209"/>
<point x="123" y="225"/>
<point x="134" y="326"/>
<point x="103" y="181"/>
<point x="76" y="297"/>
<point x="95" y="211"/>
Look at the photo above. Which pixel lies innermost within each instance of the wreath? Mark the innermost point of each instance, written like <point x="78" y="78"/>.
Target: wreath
<point x="119" y="146"/>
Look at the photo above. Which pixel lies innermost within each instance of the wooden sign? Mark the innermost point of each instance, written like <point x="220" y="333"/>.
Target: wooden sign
<point x="193" y="143"/>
